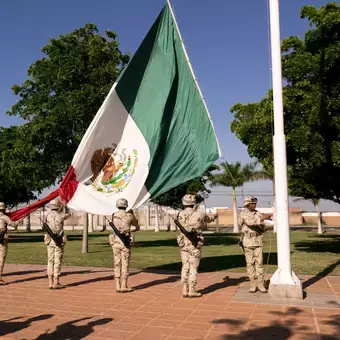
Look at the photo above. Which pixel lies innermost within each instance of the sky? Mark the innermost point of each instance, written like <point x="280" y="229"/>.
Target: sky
<point x="227" y="43"/>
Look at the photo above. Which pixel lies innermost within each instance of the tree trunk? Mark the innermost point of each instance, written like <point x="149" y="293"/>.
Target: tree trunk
<point x="85" y="234"/>
<point x="28" y="223"/>
<point x="274" y="209"/>
<point x="104" y="223"/>
<point x="235" y="211"/>
<point x="90" y="223"/>
<point x="320" y="231"/>
<point x="156" y="220"/>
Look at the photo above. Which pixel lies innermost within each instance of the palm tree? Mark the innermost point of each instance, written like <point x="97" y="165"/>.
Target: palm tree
<point x="235" y="175"/>
<point x="315" y="202"/>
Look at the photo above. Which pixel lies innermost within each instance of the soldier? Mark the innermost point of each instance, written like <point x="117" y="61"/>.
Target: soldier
<point x="55" y="219"/>
<point x="191" y="255"/>
<point x="125" y="222"/>
<point x="252" y="227"/>
<point x="5" y="221"/>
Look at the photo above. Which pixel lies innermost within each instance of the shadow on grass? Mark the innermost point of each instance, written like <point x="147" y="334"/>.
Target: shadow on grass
<point x="39" y="237"/>
<point x="214" y="263"/>
<point x="209" y="240"/>
<point x="324" y="244"/>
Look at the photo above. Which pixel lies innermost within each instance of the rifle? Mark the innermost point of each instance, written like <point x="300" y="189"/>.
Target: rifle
<point x="240" y="243"/>
<point x="2" y="236"/>
<point x="123" y="237"/>
<point x="192" y="235"/>
<point x="57" y="238"/>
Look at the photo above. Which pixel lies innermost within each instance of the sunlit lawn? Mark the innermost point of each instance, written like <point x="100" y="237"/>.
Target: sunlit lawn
<point x="311" y="253"/>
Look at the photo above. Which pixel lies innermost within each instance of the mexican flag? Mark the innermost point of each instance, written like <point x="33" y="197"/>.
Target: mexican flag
<point x="152" y="132"/>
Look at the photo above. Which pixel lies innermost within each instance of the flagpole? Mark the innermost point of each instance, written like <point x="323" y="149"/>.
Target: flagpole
<point x="284" y="283"/>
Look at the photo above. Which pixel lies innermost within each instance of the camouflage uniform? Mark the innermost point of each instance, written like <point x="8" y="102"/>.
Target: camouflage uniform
<point x="252" y="238"/>
<point x="190" y="219"/>
<point x="5" y="221"/>
<point x="55" y="220"/>
<point x="123" y="221"/>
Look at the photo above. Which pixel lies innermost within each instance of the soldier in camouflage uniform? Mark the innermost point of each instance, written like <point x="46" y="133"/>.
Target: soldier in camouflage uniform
<point x="125" y="222"/>
<point x="252" y="227"/>
<point x="5" y="221"/>
<point x="55" y="219"/>
<point x="191" y="219"/>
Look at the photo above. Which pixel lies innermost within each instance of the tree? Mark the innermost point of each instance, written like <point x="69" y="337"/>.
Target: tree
<point x="235" y="175"/>
<point x="58" y="101"/>
<point x="315" y="202"/>
<point x="12" y="189"/>
<point x="197" y="186"/>
<point x="311" y="70"/>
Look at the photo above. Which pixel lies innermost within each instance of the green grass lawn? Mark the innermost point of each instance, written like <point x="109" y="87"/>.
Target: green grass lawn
<point x="311" y="253"/>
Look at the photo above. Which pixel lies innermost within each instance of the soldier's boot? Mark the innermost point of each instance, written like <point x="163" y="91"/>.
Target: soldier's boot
<point x="124" y="287"/>
<point x="2" y="282"/>
<point x="50" y="282"/>
<point x="185" y="290"/>
<point x="253" y="286"/>
<point x="57" y="284"/>
<point x="117" y="279"/>
<point x="261" y="286"/>
<point x="192" y="291"/>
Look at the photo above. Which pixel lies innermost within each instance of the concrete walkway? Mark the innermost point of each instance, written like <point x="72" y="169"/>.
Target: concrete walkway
<point x="89" y="308"/>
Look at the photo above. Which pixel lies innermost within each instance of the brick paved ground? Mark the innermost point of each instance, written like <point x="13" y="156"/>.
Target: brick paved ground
<point x="90" y="308"/>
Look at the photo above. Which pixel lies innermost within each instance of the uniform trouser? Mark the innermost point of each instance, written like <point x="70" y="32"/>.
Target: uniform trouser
<point x="3" y="255"/>
<point x="121" y="257"/>
<point x="54" y="260"/>
<point x="191" y="257"/>
<point x="254" y="259"/>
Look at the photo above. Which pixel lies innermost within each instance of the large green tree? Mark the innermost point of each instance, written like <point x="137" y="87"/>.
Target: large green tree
<point x="59" y="99"/>
<point x="196" y="186"/>
<point x="311" y="71"/>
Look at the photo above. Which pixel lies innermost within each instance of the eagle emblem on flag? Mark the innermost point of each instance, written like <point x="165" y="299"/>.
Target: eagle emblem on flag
<point x="113" y="171"/>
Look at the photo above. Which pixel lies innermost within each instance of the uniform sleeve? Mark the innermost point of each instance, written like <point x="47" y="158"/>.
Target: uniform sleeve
<point x="208" y="219"/>
<point x="240" y="220"/>
<point x="134" y="221"/>
<point x="66" y="215"/>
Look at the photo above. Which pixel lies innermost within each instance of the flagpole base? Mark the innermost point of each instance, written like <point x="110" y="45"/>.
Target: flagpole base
<point x="285" y="285"/>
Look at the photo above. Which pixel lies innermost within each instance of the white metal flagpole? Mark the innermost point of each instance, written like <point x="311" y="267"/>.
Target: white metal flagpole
<point x="284" y="283"/>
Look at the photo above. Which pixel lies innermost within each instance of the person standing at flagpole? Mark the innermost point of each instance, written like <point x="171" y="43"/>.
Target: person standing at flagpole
<point x="252" y="225"/>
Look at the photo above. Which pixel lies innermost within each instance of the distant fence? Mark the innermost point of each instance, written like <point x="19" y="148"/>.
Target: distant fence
<point x="147" y="219"/>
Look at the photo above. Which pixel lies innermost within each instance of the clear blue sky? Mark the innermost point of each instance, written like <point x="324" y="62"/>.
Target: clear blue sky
<point x="227" y="42"/>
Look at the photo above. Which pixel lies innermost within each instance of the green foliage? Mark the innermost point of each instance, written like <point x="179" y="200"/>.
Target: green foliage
<point x="197" y="186"/>
<point x="311" y="70"/>
<point x="235" y="174"/>
<point x="58" y="101"/>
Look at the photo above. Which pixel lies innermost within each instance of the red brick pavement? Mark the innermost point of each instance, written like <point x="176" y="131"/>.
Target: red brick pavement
<point x="89" y="308"/>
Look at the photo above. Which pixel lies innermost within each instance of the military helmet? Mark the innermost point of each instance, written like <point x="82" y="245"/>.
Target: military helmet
<point x="2" y="206"/>
<point x="122" y="203"/>
<point x="189" y="200"/>
<point x="250" y="200"/>
<point x="54" y="204"/>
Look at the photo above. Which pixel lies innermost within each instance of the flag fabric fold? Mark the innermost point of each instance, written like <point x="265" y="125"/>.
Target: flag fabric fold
<point x="152" y="132"/>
